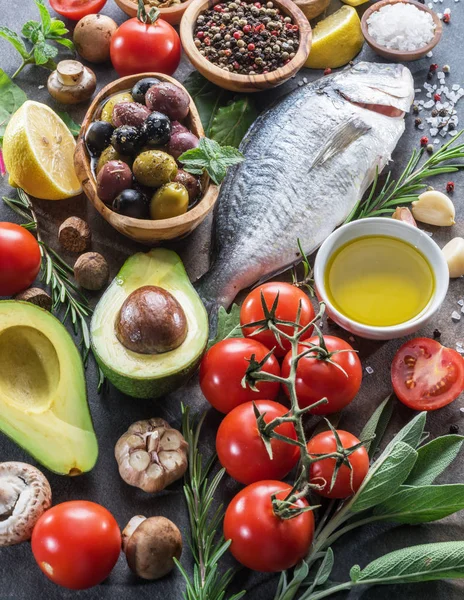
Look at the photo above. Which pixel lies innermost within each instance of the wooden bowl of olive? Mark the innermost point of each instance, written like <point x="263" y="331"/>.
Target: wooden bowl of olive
<point x="126" y="159"/>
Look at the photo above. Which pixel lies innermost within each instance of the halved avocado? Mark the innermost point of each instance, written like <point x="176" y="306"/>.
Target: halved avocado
<point x="149" y="375"/>
<point x="43" y="401"/>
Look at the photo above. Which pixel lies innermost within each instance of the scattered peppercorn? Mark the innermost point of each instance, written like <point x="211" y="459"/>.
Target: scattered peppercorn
<point x="429" y="76"/>
<point x="450" y="187"/>
<point x="446" y="68"/>
<point x="436" y="334"/>
<point x="443" y="112"/>
<point x="417" y="121"/>
<point x="424" y="141"/>
<point x="437" y="97"/>
<point x="246" y="38"/>
<point x="429" y="148"/>
<point x="446" y="18"/>
<point x="433" y="67"/>
<point x="415" y="109"/>
<point x="454" y="429"/>
<point x="327" y="71"/>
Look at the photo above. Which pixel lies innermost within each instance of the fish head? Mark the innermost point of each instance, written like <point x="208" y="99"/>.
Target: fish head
<point x="385" y="88"/>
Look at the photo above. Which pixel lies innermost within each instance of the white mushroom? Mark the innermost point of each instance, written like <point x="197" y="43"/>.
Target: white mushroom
<point x="25" y="495"/>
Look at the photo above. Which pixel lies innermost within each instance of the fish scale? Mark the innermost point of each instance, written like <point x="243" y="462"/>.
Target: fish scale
<point x="308" y="160"/>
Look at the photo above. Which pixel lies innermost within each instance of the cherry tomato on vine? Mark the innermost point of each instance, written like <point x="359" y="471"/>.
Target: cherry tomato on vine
<point x="426" y="375"/>
<point x="76" y="544"/>
<point x="76" y="9"/>
<point x="317" y="378"/>
<point x="224" y="366"/>
<point x="19" y="259"/>
<point x="348" y="481"/>
<point x="241" y="449"/>
<point x="290" y="298"/>
<point x="138" y="47"/>
<point x="261" y="540"/>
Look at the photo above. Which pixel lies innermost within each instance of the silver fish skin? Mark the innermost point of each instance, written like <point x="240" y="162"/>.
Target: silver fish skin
<point x="308" y="161"/>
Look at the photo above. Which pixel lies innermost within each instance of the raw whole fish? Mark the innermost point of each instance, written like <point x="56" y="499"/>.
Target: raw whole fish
<point x="308" y="161"/>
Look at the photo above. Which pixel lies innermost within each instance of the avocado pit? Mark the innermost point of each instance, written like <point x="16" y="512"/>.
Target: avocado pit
<point x="151" y="321"/>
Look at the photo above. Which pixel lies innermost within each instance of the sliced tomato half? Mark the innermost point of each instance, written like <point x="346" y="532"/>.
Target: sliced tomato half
<point x="426" y="375"/>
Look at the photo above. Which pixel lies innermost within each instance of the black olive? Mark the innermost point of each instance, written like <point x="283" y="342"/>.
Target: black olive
<point x="157" y="129"/>
<point x="98" y="136"/>
<point x="132" y="203"/>
<point x="127" y="139"/>
<point x="141" y="88"/>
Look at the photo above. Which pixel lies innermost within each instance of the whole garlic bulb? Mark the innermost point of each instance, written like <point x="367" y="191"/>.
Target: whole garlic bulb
<point x="434" y="208"/>
<point x="454" y="254"/>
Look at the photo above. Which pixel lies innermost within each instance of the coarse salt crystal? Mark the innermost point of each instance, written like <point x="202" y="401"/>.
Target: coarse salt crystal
<point x="401" y="27"/>
<point x="429" y="54"/>
<point x="455" y="316"/>
<point x="447" y="11"/>
<point x="461" y="302"/>
<point x="369" y="370"/>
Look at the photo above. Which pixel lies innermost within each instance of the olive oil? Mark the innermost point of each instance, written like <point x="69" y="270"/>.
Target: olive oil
<point x="379" y="281"/>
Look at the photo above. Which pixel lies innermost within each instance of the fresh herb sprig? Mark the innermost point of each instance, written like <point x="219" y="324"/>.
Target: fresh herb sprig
<point x="411" y="183"/>
<point x="57" y="274"/>
<point x="211" y="157"/>
<point x="207" y="546"/>
<point x="38" y="34"/>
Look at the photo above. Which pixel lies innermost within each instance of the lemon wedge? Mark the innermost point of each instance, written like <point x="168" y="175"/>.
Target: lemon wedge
<point x="38" y="150"/>
<point x="336" y="40"/>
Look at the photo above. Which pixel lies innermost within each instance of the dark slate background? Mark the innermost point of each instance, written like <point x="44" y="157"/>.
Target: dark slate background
<point x="112" y="412"/>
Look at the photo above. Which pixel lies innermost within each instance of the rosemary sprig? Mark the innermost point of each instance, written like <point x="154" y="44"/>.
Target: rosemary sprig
<point x="56" y="274"/>
<point x="206" y="545"/>
<point x="411" y="182"/>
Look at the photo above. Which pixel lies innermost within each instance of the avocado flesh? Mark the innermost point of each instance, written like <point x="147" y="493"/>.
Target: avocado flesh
<point x="43" y="401"/>
<point x="149" y="375"/>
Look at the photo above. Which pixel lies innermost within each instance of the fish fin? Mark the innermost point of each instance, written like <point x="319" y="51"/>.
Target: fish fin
<point x="345" y="135"/>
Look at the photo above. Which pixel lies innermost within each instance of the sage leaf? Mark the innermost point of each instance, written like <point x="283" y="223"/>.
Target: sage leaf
<point x="433" y="458"/>
<point x="412" y="433"/>
<point x="325" y="568"/>
<point x="384" y="477"/>
<point x="422" y="504"/>
<point x="289" y="591"/>
<point x="73" y="127"/>
<point x="427" y="562"/>
<point x="377" y="425"/>
<point x="228" y="325"/>
<point x="208" y="98"/>
<point x="11" y="98"/>
<point x="231" y="122"/>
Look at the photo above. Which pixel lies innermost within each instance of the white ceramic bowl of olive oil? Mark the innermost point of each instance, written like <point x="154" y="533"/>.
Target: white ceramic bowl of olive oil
<point x="380" y="278"/>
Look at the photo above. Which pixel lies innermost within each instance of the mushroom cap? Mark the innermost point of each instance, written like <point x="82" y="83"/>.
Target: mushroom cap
<point x="25" y="495"/>
<point x="152" y="546"/>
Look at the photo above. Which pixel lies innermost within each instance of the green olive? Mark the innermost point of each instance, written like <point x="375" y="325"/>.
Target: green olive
<point x="171" y="200"/>
<point x="107" y="110"/>
<point x="110" y="153"/>
<point x="154" y="168"/>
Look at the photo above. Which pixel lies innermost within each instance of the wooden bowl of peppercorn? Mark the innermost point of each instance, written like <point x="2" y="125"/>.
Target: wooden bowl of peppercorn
<point x="266" y="45"/>
<point x="172" y="14"/>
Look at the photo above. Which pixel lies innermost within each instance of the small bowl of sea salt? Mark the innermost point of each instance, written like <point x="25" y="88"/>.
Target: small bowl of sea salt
<point x="401" y="30"/>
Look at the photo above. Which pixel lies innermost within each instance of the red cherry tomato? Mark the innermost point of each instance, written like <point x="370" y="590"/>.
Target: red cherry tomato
<point x="241" y="450"/>
<point x="138" y="47"/>
<point x="316" y="379"/>
<point x="223" y="368"/>
<point x="19" y="259"/>
<point x="290" y="298"/>
<point x="76" y="544"/>
<point x="426" y="375"/>
<point x="348" y="481"/>
<point x="76" y="9"/>
<point x="261" y="540"/>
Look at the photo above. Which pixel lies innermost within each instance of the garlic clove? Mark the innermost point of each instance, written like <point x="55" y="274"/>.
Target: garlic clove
<point x="434" y="208"/>
<point x="404" y="214"/>
<point x="454" y="254"/>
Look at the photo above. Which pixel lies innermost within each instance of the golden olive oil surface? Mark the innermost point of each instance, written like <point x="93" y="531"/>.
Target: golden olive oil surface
<point x="379" y="280"/>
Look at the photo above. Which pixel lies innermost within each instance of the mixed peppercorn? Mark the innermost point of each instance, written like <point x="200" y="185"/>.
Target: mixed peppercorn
<point x="246" y="38"/>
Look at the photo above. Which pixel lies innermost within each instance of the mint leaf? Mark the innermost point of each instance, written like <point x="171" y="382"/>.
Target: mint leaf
<point x="433" y="458"/>
<point x="211" y="157"/>
<point x="31" y="30"/>
<point x="65" y="42"/>
<point x="11" y="98"/>
<point x="377" y="425"/>
<point x="14" y="40"/>
<point x="231" y="122"/>
<point x="43" y="53"/>
<point x="422" y="504"/>
<point x="44" y="16"/>
<point x="73" y="127"/>
<point x="228" y="325"/>
<point x="57" y="28"/>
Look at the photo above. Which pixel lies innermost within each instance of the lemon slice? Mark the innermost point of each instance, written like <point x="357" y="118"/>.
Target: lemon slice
<point x="336" y="40"/>
<point x="38" y="150"/>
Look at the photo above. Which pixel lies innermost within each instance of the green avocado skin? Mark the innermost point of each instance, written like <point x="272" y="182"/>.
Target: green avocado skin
<point x="153" y="388"/>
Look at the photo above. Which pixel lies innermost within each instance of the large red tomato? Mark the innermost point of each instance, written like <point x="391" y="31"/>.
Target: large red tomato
<point x="138" y="47"/>
<point x="76" y="9"/>
<point x="76" y="544"/>
<point x="316" y="379"/>
<point x="19" y="259"/>
<point x="426" y="375"/>
<point x="241" y="450"/>
<point x="348" y="480"/>
<point x="290" y="298"/>
<point x="261" y="540"/>
<point x="224" y="366"/>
